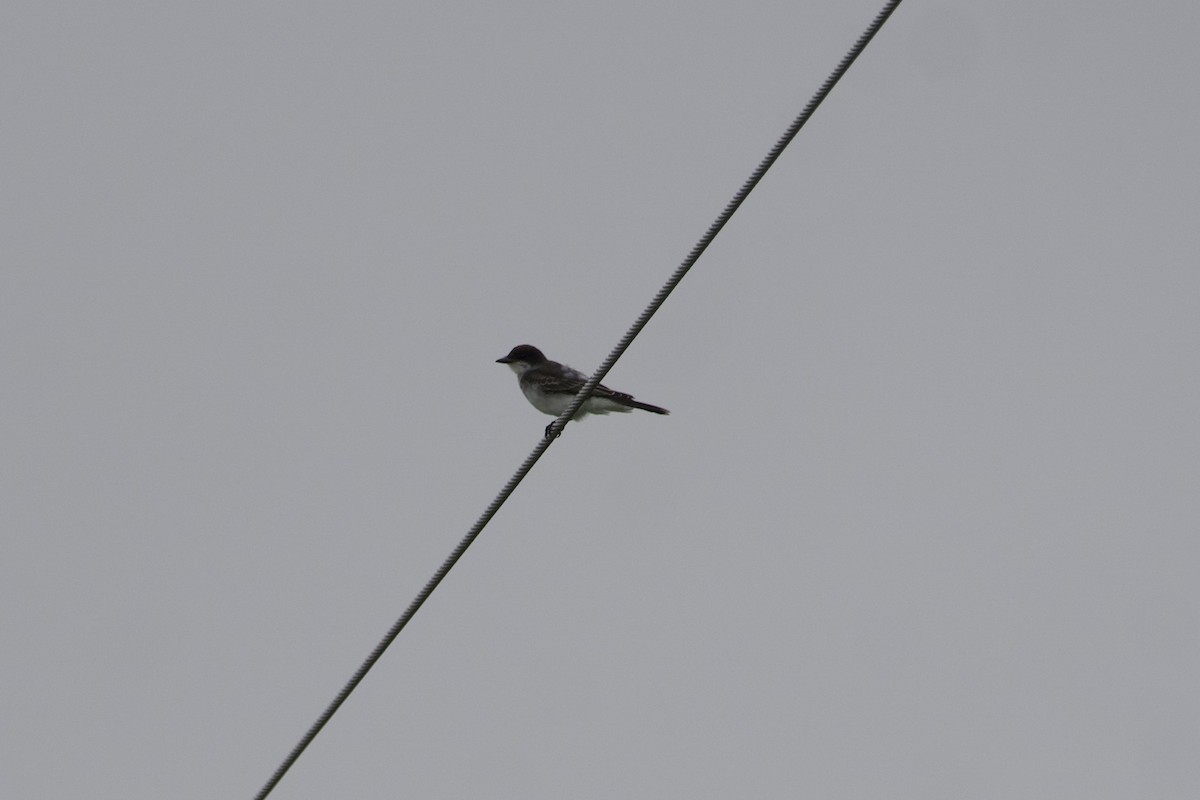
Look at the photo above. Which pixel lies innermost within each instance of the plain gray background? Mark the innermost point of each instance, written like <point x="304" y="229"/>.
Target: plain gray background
<point x="922" y="523"/>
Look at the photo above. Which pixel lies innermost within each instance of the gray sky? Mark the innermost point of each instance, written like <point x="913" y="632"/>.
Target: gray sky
<point x="923" y="520"/>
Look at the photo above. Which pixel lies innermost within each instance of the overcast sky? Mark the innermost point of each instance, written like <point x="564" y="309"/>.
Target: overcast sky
<point x="924" y="521"/>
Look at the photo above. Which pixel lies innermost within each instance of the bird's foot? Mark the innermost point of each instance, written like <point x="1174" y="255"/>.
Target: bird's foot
<point x="550" y="434"/>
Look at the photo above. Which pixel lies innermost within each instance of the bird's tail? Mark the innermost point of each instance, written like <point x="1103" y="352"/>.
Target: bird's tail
<point x="648" y="407"/>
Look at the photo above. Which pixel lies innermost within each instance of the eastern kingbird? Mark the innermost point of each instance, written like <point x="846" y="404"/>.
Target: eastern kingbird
<point x="549" y="386"/>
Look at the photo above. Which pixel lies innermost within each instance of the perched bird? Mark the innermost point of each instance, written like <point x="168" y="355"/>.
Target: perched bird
<point x="550" y="386"/>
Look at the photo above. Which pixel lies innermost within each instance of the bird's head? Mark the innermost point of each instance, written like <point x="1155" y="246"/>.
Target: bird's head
<point x="522" y="357"/>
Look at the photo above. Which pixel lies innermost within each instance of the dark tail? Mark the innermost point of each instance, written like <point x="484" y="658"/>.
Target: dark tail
<point x="627" y="400"/>
<point x="648" y="407"/>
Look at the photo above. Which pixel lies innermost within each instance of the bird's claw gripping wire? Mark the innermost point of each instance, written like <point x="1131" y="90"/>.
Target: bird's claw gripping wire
<point x="550" y="434"/>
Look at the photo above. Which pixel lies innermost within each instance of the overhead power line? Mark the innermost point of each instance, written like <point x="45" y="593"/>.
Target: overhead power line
<point x="557" y="426"/>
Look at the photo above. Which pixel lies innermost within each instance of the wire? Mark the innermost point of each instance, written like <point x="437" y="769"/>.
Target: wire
<point x="557" y="426"/>
<point x="733" y="205"/>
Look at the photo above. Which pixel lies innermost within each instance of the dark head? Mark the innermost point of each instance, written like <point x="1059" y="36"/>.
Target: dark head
<point x="523" y="354"/>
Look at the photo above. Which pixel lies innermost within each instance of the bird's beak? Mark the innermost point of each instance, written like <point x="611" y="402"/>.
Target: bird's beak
<point x="505" y="360"/>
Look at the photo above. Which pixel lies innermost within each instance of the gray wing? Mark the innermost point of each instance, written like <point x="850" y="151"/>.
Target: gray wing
<point x="556" y="381"/>
<point x="570" y="381"/>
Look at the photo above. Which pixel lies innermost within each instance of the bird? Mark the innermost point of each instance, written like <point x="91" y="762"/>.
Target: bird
<point x="550" y="386"/>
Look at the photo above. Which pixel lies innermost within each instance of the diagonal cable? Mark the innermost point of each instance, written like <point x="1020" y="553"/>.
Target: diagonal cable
<point x="719" y="223"/>
<point x="590" y="386"/>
